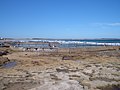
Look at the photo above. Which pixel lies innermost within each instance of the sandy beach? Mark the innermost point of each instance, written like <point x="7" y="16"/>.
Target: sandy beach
<point x="96" y="68"/>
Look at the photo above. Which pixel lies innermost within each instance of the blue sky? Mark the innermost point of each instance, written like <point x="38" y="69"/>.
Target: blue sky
<point x="60" y="18"/>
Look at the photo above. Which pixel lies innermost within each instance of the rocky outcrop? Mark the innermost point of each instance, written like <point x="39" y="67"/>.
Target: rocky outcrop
<point x="3" y="53"/>
<point x="3" y="60"/>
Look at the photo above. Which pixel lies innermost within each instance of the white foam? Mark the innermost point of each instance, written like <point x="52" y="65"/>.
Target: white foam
<point x="74" y="42"/>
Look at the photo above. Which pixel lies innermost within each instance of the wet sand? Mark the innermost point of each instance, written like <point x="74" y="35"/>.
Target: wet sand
<point x="63" y="69"/>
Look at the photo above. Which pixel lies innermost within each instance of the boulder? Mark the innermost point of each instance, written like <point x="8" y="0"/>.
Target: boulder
<point x="3" y="53"/>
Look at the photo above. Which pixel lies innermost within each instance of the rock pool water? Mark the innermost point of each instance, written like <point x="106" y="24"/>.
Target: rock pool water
<point x="9" y="64"/>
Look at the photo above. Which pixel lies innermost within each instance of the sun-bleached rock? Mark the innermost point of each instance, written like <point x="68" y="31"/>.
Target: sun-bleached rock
<point x="64" y="85"/>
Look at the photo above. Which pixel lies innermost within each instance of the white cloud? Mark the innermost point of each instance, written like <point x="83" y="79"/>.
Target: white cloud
<point x="107" y="24"/>
<point x="114" y="24"/>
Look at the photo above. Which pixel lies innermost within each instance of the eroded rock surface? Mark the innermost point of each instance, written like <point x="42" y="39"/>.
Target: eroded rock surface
<point x="35" y="71"/>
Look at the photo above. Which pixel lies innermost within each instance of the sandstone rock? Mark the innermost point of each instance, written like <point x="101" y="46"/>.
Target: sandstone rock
<point x="86" y="83"/>
<point x="62" y="70"/>
<point x="3" y="60"/>
<point x="88" y="72"/>
<point x="64" y="85"/>
<point x="3" y="53"/>
<point x="67" y="57"/>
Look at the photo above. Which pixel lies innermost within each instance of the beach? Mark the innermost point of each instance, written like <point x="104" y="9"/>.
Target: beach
<point x="95" y="68"/>
<point x="59" y="44"/>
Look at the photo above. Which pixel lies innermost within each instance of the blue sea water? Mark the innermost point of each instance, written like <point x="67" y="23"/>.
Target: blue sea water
<point x="66" y="43"/>
<point x="99" y="40"/>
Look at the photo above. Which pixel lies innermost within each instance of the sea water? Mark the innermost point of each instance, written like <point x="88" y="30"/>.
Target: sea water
<point x="67" y="43"/>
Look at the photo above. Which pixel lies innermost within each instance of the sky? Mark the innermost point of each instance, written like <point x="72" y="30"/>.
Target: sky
<point x="74" y="19"/>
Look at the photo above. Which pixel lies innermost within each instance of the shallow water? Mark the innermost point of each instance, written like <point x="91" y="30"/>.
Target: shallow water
<point x="63" y="43"/>
<point x="9" y="64"/>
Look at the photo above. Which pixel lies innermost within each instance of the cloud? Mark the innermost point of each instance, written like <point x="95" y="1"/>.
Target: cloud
<point x="113" y="24"/>
<point x="107" y="24"/>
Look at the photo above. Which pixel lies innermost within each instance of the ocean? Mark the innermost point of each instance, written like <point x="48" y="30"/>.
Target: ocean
<point x="70" y="43"/>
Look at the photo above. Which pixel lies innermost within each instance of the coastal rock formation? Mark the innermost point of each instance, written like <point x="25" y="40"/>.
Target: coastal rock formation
<point x="38" y="71"/>
<point x="3" y="53"/>
<point x="3" y="60"/>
